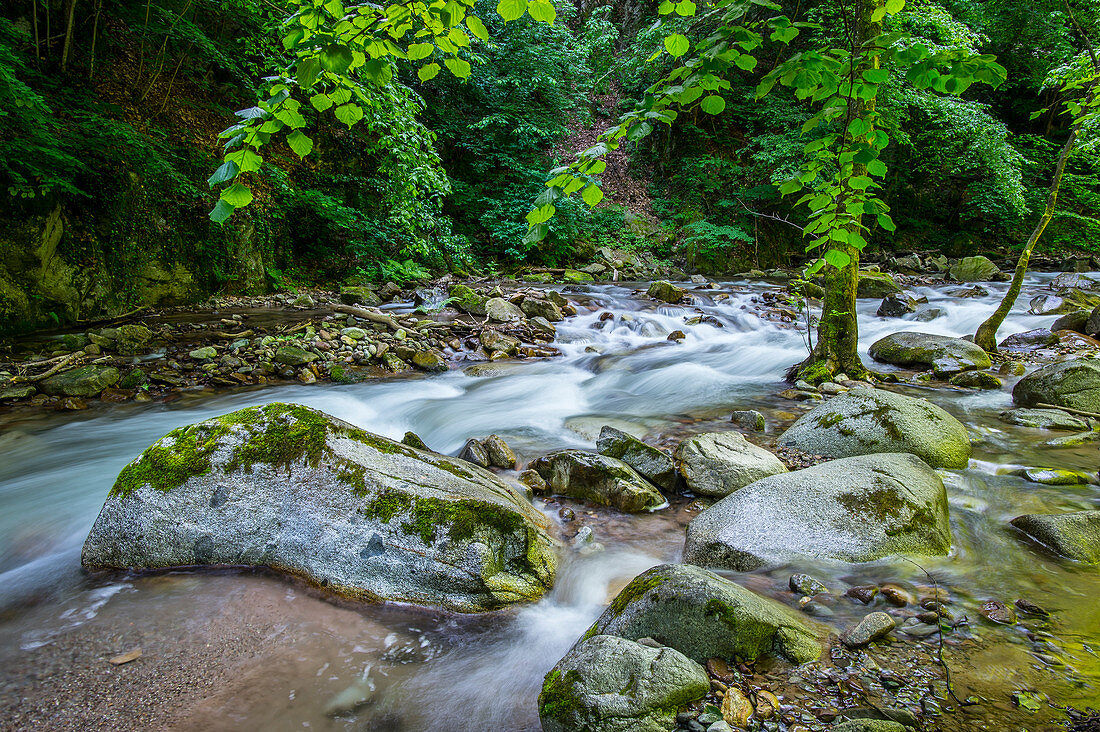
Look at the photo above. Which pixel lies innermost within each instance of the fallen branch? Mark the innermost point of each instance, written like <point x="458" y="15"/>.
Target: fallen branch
<point x="115" y="319"/>
<point x="1071" y="410"/>
<point x="374" y="316"/>
<point x="233" y="336"/>
<point x="65" y="360"/>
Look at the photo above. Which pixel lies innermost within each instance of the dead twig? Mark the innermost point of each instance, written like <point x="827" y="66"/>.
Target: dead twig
<point x="1071" y="410"/>
<point x="65" y="361"/>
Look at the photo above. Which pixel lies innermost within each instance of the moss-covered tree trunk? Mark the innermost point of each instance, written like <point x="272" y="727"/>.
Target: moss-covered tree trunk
<point x="836" y="350"/>
<point x="986" y="335"/>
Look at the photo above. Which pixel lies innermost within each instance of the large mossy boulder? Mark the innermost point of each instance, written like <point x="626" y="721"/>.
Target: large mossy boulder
<point x="610" y="684"/>
<point x="718" y="463"/>
<point x="855" y="509"/>
<point x="466" y="300"/>
<point x="499" y="310"/>
<point x="651" y="463"/>
<point x="865" y="421"/>
<point x="1074" y="384"/>
<point x="1075" y="535"/>
<point x="293" y="489"/>
<point x="975" y="269"/>
<point x="665" y="291"/>
<point x="876" y="284"/>
<point x="943" y="354"/>
<point x="706" y="616"/>
<point x="85" y="381"/>
<point x="597" y="479"/>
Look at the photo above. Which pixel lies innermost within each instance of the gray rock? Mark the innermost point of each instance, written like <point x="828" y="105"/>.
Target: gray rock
<point x="474" y="452"/>
<point x="599" y="479"/>
<point x="466" y="300"/>
<point x="131" y="339"/>
<point x="975" y="269"/>
<point x="666" y="292"/>
<point x="1074" y="321"/>
<point x="719" y="463"/>
<point x="610" y="684"/>
<point x="1045" y="419"/>
<point x="294" y="356"/>
<point x="804" y="584"/>
<point x="1092" y="325"/>
<point x="429" y="359"/>
<point x="749" y="419"/>
<point x="706" y="616"/>
<point x="1029" y="340"/>
<point x="977" y="380"/>
<point x="85" y="381"/>
<point x="293" y="489"/>
<point x="1074" y="384"/>
<point x="871" y="628"/>
<point x="651" y="463"/>
<point x="500" y="310"/>
<point x="895" y="306"/>
<point x="500" y="455"/>
<point x="927" y="351"/>
<point x="852" y="510"/>
<point x="496" y="342"/>
<point x="866" y="420"/>
<point x="534" y="307"/>
<point x="203" y="354"/>
<point x="876" y="284"/>
<point x="303" y="301"/>
<point x="359" y="296"/>
<point x="1075" y="535"/>
<point x="18" y="391"/>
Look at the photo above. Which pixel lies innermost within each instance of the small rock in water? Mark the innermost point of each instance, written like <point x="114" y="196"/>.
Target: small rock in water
<point x="804" y="584"/>
<point x="534" y="481"/>
<point x="413" y="440"/>
<point x="204" y="353"/>
<point x="863" y="593"/>
<point x="126" y="657"/>
<point x="350" y="699"/>
<point x="474" y="452"/>
<point x="1030" y="608"/>
<point x="748" y="419"/>
<point x="873" y="627"/>
<point x="736" y="708"/>
<point x="998" y="612"/>
<point x="1052" y="476"/>
<point x="676" y="335"/>
<point x="977" y="380"/>
<point x="500" y="455"/>
<point x="767" y="704"/>
<point x="895" y="595"/>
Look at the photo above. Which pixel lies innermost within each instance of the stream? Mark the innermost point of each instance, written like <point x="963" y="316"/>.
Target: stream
<point x="277" y="656"/>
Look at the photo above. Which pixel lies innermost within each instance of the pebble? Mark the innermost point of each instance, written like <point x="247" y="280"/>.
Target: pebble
<point x="873" y="627"/>
<point x="863" y="593"/>
<point x="804" y="584"/>
<point x="998" y="612"/>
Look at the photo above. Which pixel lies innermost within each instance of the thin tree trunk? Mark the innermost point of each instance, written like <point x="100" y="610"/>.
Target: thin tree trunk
<point x="67" y="46"/>
<point x="37" y="50"/>
<point x="838" y="329"/>
<point x="986" y="335"/>
<point x="95" y="32"/>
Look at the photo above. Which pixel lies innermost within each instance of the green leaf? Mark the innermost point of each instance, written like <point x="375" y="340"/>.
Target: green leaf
<point x="308" y="71"/>
<point x="713" y="104"/>
<point x="418" y="51"/>
<point x="458" y="67"/>
<point x="876" y="168"/>
<point x="477" y="27"/>
<point x="878" y="14"/>
<point x="894" y="6"/>
<point x="876" y="76"/>
<point x="676" y="45"/>
<point x="541" y="214"/>
<point x="837" y="258"/>
<point x="237" y="195"/>
<point x="511" y="9"/>
<point x="746" y="62"/>
<point x="299" y="143"/>
<point x="592" y="194"/>
<point x="428" y="72"/>
<point x="886" y="222"/>
<point x="336" y="58"/>
<point x="320" y="102"/>
<point x="542" y="11"/>
<point x="226" y="171"/>
<point x="221" y="212"/>
<point x="349" y="113"/>
<point x="685" y="8"/>
<point x="666" y="7"/>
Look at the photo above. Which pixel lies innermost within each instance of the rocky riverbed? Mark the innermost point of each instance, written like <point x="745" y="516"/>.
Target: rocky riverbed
<point x="663" y="418"/>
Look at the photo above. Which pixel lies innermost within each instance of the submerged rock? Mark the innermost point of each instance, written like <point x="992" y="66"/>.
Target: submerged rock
<point x="291" y="488"/>
<point x="651" y="463"/>
<point x="1075" y="535"/>
<point x="599" y="479"/>
<point x="1045" y="419"/>
<point x="852" y="510"/>
<point x="85" y="381"/>
<point x="871" y="628"/>
<point x="876" y="284"/>
<point x="977" y="380"/>
<point x="611" y="684"/>
<point x="1074" y="384"/>
<point x="927" y="351"/>
<point x="1074" y="321"/>
<point x="718" y="463"/>
<point x="706" y="616"/>
<point x="866" y="420"/>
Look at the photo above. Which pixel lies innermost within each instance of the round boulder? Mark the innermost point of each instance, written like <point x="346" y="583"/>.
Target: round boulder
<point x="926" y="351"/>
<point x="865" y="421"/>
<point x="1074" y="384"/>
<point x="599" y="479"/>
<point x="290" y="488"/>
<point x="718" y="463"/>
<point x="856" y="509"/>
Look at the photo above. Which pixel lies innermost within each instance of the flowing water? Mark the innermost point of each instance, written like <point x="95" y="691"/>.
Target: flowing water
<point x="326" y="666"/>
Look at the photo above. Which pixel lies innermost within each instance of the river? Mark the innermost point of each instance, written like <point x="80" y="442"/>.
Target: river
<point x="417" y="670"/>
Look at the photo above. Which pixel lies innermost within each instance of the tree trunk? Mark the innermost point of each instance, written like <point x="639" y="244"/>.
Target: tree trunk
<point x="67" y="46"/>
<point x="986" y="335"/>
<point x="838" y="330"/>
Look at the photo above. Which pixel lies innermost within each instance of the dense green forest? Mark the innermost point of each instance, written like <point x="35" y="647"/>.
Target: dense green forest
<point x="112" y="110"/>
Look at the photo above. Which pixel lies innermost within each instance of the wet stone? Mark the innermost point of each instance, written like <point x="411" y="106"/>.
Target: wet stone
<point x="873" y="627"/>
